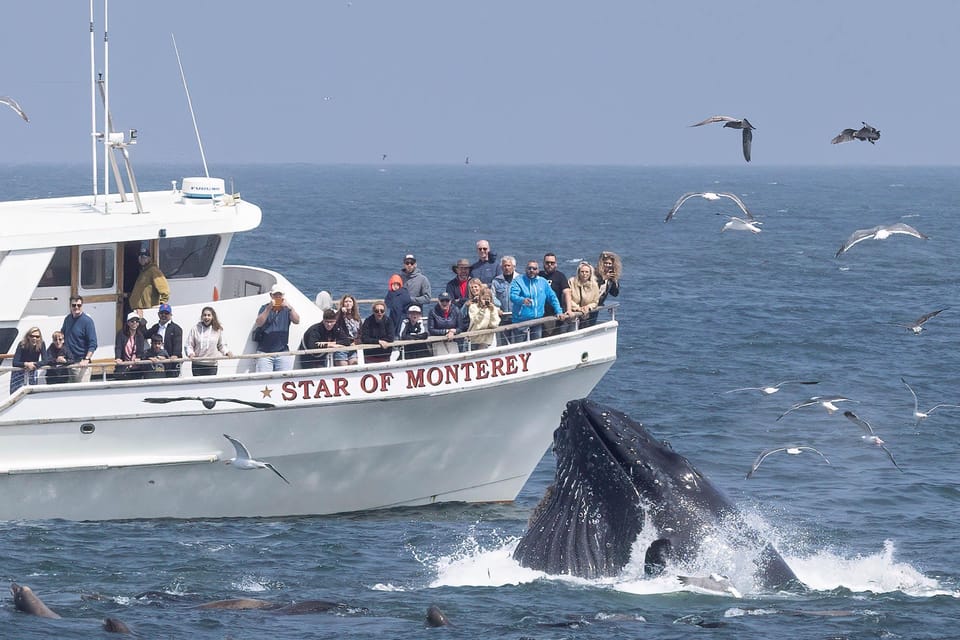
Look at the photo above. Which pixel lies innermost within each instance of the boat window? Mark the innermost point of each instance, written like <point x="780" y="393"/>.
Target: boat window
<point x="58" y="271"/>
<point x="7" y="336"/>
<point x="96" y="268"/>
<point x="188" y="257"/>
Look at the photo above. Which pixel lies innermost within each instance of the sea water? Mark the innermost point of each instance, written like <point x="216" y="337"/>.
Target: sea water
<point x="702" y="312"/>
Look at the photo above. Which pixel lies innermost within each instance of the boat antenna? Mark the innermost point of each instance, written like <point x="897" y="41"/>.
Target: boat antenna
<point x="196" y="129"/>
<point x="93" y="106"/>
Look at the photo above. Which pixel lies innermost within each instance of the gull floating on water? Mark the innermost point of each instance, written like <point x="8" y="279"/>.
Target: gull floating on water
<point x="242" y="459"/>
<point x="734" y="123"/>
<point x="922" y="415"/>
<point x="866" y="132"/>
<point x="869" y="435"/>
<point x="708" y="195"/>
<point x="773" y="388"/>
<point x="790" y="450"/>
<point x="827" y="402"/>
<point x="13" y="104"/>
<point x="739" y="224"/>
<point x="880" y="232"/>
<point x="917" y="325"/>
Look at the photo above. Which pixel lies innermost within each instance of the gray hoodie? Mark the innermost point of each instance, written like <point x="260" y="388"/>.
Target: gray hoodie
<point x="418" y="285"/>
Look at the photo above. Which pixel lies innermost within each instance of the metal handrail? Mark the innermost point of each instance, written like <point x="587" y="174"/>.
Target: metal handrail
<point x="106" y="363"/>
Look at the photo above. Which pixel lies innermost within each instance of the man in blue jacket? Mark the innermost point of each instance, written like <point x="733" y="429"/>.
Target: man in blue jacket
<point x="529" y="293"/>
<point x="79" y="340"/>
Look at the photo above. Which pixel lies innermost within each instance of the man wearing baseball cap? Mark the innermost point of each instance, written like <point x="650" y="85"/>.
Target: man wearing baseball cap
<point x="172" y="336"/>
<point x="414" y="281"/>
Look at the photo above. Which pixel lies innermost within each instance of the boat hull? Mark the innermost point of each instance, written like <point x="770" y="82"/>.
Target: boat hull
<point x="469" y="427"/>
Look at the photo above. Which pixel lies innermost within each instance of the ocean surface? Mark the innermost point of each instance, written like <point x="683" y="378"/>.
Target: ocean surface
<point x="702" y="312"/>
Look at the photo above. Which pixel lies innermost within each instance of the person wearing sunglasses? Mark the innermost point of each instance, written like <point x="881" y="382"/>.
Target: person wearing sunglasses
<point x="80" y="339"/>
<point x="415" y="282"/>
<point x="529" y="294"/>
<point x="28" y="359"/>
<point x="377" y="329"/>
<point x="487" y="267"/>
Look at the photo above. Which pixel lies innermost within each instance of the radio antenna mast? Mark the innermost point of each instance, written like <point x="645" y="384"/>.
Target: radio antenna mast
<point x="190" y="104"/>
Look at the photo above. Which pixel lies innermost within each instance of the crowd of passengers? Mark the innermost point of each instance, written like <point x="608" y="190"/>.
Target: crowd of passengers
<point x="483" y="295"/>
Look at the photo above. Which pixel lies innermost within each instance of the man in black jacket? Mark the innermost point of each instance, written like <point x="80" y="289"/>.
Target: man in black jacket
<point x="172" y="339"/>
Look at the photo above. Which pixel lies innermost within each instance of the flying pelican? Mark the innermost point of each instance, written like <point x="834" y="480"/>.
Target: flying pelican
<point x="739" y="224"/>
<point x="869" y="435"/>
<point x="13" y="104"/>
<point x="708" y="195"/>
<point x="880" y="232"/>
<point x="773" y="388"/>
<point x="917" y="325"/>
<point x="210" y="403"/>
<point x="866" y="132"/>
<point x="734" y="123"/>
<point x="242" y="459"/>
<point x="791" y="450"/>
<point x="827" y="402"/>
<point x="922" y="415"/>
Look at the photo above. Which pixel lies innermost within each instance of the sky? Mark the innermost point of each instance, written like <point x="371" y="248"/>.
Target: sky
<point x="582" y="82"/>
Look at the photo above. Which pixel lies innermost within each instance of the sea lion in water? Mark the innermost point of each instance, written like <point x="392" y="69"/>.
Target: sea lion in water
<point x="24" y="599"/>
<point x="237" y="604"/>
<point x="115" y="626"/>
<point x="437" y="618"/>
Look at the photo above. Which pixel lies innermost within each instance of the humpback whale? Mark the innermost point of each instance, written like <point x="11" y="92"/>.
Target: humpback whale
<point x="612" y="479"/>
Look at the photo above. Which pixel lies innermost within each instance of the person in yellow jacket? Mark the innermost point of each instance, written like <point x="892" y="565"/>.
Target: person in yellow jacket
<point x="151" y="288"/>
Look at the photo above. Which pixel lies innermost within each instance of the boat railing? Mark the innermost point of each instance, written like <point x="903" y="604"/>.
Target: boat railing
<point x="513" y="333"/>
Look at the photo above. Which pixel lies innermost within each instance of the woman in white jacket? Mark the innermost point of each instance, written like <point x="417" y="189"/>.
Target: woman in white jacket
<point x="205" y="340"/>
<point x="483" y="314"/>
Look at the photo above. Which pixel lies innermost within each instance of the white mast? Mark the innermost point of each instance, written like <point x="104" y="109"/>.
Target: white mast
<point x="106" y="106"/>
<point x="93" y="108"/>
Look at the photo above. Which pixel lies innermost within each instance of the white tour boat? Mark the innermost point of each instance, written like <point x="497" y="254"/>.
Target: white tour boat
<point x="344" y="438"/>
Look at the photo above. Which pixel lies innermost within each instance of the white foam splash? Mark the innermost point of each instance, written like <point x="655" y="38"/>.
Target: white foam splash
<point x="473" y="565"/>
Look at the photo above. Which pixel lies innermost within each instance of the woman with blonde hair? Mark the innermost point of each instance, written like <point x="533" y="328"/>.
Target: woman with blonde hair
<point x="609" y="270"/>
<point x="28" y="358"/>
<point x="584" y="293"/>
<point x="483" y="314"/>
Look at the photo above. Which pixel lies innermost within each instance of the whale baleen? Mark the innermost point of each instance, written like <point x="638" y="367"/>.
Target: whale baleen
<point x="612" y="476"/>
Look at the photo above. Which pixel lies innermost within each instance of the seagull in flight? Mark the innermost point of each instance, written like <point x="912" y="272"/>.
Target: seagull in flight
<point x="880" y="232"/>
<point x="792" y="450"/>
<point x="739" y="224"/>
<point x="242" y="459"/>
<point x="827" y="402"/>
<point x="734" y="123"/>
<point x="866" y="132"/>
<point x="773" y="388"/>
<point x="922" y="415"/>
<point x="917" y="325"/>
<point x="869" y="436"/>
<point x="708" y="195"/>
<point x="13" y="104"/>
<point x="210" y="403"/>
